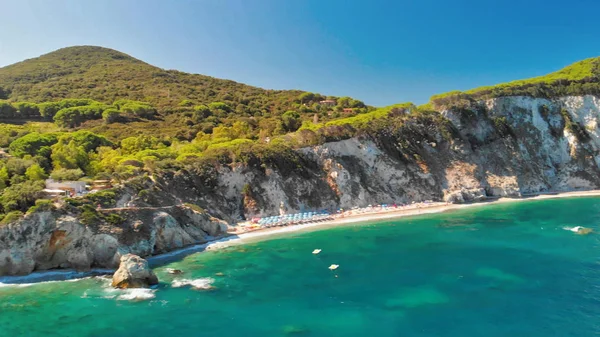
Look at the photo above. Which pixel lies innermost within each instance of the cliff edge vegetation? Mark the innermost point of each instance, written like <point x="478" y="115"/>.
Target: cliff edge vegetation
<point x="580" y="78"/>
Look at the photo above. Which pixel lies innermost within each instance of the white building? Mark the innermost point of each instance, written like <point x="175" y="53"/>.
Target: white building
<point x="73" y="187"/>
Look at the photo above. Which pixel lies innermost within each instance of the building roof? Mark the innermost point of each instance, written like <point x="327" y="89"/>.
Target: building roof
<point x="47" y="190"/>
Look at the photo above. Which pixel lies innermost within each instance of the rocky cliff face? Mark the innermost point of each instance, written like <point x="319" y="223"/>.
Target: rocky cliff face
<point x="500" y="147"/>
<point x="48" y="240"/>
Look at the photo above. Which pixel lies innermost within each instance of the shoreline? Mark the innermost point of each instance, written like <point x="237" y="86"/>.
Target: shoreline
<point x="435" y="207"/>
<point x="271" y="233"/>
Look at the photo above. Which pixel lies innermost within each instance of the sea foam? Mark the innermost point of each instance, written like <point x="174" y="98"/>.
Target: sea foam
<point x="138" y="294"/>
<point x="201" y="283"/>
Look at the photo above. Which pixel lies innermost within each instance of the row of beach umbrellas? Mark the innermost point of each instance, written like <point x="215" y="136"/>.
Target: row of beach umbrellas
<point x="291" y="218"/>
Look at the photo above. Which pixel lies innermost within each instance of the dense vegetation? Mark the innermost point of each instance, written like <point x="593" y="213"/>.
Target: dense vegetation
<point x="106" y="76"/>
<point x="580" y="78"/>
<point x="113" y="94"/>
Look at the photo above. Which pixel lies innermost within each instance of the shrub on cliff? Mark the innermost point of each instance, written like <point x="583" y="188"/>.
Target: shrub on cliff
<point x="194" y="207"/>
<point x="89" y="215"/>
<point x="41" y="205"/>
<point x="502" y="127"/>
<point x="10" y="217"/>
<point x="106" y="198"/>
<point x="575" y="128"/>
<point x="114" y="219"/>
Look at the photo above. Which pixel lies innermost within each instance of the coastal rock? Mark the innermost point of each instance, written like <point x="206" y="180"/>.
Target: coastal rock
<point x="105" y="250"/>
<point x="133" y="272"/>
<point x="49" y="240"/>
<point x="169" y="235"/>
<point x="465" y="195"/>
<point x="16" y="263"/>
<point x="80" y="256"/>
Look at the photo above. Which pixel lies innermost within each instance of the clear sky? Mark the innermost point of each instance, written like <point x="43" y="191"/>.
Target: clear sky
<point x="382" y="52"/>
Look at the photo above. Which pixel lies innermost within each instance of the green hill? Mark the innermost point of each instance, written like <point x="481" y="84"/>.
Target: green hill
<point x="106" y="75"/>
<point x="90" y="87"/>
<point x="579" y="78"/>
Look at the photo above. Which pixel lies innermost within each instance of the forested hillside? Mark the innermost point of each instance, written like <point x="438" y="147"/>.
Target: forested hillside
<point x="106" y="75"/>
<point x="90" y="87"/>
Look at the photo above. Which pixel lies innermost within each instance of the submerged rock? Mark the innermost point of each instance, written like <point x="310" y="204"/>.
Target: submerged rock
<point x="580" y="230"/>
<point x="584" y="231"/>
<point x="134" y="272"/>
<point x="174" y="271"/>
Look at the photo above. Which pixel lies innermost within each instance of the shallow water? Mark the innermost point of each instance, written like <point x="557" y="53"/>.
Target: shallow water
<point x="501" y="270"/>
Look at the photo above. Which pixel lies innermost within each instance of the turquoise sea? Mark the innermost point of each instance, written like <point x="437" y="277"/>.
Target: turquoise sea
<point x="500" y="270"/>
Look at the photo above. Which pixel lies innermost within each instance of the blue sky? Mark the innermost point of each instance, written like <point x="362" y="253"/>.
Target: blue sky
<point x="382" y="52"/>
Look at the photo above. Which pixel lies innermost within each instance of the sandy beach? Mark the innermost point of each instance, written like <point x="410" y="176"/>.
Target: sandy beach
<point x="389" y="213"/>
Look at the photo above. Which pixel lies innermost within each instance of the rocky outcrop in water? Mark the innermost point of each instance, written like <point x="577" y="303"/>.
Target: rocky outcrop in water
<point x="133" y="272"/>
